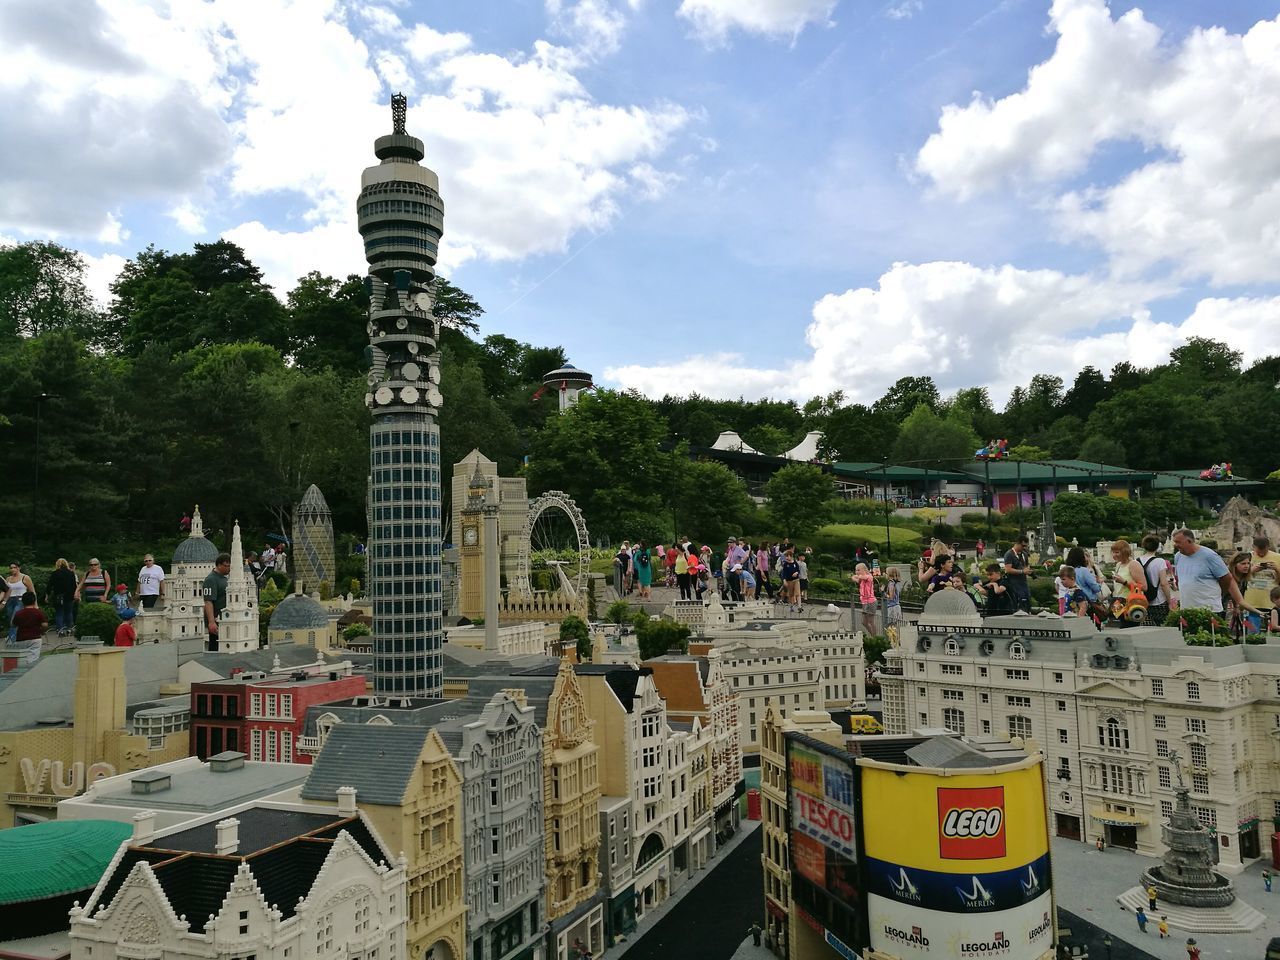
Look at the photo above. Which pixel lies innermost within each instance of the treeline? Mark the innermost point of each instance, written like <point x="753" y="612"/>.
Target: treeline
<point x="196" y="383"/>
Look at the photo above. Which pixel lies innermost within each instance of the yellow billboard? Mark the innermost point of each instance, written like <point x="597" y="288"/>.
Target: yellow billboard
<point x="961" y="823"/>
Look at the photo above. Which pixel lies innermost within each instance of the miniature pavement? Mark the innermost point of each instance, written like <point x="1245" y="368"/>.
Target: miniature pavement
<point x="1087" y="883"/>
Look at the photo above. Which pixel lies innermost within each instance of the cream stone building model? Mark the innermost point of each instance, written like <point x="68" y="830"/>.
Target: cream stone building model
<point x="181" y="615"/>
<point x="267" y="884"/>
<point x="44" y="762"/>
<point x="571" y="797"/>
<point x="796" y="668"/>
<point x="499" y="753"/>
<point x="238" y="622"/>
<point x="513" y="513"/>
<point x="698" y="688"/>
<point x="1109" y="708"/>
<point x="649" y="763"/>
<point x="407" y="784"/>
<point x="776" y="853"/>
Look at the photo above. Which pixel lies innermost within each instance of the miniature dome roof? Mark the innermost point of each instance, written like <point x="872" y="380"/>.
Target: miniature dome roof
<point x="43" y="860"/>
<point x="950" y="608"/>
<point x="313" y="502"/>
<point x="195" y="550"/>
<point x="299" y="612"/>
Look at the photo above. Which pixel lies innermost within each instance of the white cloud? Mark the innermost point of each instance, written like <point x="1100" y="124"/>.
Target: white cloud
<point x="904" y="9"/>
<point x="713" y="20"/>
<point x="963" y="325"/>
<point x="188" y="217"/>
<point x="1207" y="108"/>
<point x="100" y="273"/>
<point x="594" y="26"/>
<point x="101" y="107"/>
<point x="332" y="247"/>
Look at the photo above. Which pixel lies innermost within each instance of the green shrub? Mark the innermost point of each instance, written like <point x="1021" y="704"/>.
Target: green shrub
<point x="97" y="620"/>
<point x="351" y="631"/>
<point x="828" y="588"/>
<point x="618" y="612"/>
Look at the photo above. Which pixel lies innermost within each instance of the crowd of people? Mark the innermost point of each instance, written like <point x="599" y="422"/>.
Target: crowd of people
<point x="67" y="590"/>
<point x="741" y="571"/>
<point x="1242" y="589"/>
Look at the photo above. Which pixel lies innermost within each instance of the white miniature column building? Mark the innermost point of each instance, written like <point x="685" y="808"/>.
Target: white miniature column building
<point x="238" y="624"/>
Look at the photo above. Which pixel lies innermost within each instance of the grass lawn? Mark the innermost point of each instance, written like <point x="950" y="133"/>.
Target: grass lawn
<point x="867" y="531"/>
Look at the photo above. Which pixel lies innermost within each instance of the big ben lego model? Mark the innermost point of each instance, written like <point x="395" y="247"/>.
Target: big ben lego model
<point x="471" y="604"/>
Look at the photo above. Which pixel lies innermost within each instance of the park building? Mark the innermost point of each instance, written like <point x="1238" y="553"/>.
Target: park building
<point x="698" y="688"/>
<point x="796" y="664"/>
<point x="775" y="856"/>
<point x="46" y="755"/>
<point x="498" y="751"/>
<point x="265" y="883"/>
<point x="263" y="714"/>
<point x="1115" y="712"/>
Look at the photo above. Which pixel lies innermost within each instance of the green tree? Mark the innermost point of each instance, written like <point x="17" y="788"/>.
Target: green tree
<point x="618" y="612"/>
<point x="856" y="434"/>
<point x="574" y="630"/>
<point x="1100" y="448"/>
<point x="1027" y="451"/>
<point x="658" y="637"/>
<point x="926" y="436"/>
<point x="1076" y="512"/>
<point x="327" y="323"/>
<point x="454" y="307"/>
<point x="770" y="440"/>
<point x="907" y="394"/>
<point x="1064" y="436"/>
<point x="42" y="289"/>
<point x="606" y="452"/>
<point x="798" y="496"/>
<point x="1089" y="389"/>
<point x="709" y="500"/>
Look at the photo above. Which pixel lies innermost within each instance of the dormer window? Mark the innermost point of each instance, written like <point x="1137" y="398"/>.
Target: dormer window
<point x="1017" y="651"/>
<point x="952" y="647"/>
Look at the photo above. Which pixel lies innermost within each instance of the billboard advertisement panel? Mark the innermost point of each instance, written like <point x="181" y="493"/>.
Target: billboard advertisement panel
<point x="824" y="842"/>
<point x="822" y="805"/>
<point x="971" y="879"/>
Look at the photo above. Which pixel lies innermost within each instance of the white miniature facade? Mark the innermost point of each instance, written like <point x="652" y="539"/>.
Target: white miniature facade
<point x="1108" y="709"/>
<point x="238" y="622"/>
<point x="501" y="764"/>
<point x="353" y="907"/>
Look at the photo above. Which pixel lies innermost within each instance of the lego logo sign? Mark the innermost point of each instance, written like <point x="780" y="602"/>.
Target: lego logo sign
<point x="971" y="823"/>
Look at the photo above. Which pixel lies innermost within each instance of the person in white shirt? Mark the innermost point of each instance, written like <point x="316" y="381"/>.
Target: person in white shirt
<point x="1159" y="575"/>
<point x="150" y="582"/>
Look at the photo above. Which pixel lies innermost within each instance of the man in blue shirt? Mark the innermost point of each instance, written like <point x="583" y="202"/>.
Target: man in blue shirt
<point x="1202" y="575"/>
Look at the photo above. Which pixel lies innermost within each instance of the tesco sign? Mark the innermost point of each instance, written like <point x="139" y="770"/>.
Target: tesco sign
<point x="826" y="823"/>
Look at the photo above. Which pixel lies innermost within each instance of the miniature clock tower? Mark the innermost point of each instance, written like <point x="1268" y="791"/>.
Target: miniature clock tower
<point x="471" y="602"/>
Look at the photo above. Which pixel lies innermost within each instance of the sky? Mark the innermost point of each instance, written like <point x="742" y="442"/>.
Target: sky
<point x="748" y="198"/>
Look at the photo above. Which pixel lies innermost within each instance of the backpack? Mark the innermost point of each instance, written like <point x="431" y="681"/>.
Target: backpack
<point x="1150" y="592"/>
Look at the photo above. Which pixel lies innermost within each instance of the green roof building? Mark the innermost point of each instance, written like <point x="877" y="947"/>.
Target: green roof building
<point x="47" y="867"/>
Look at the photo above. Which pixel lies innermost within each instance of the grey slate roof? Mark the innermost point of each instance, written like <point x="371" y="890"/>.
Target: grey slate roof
<point x="195" y="550"/>
<point x="290" y="655"/>
<point x="537" y="691"/>
<point x="377" y="760"/>
<point x="349" y="711"/>
<point x="299" y="612"/>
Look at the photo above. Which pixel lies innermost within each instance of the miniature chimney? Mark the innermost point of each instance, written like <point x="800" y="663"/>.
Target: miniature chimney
<point x="144" y="825"/>
<point x="228" y="840"/>
<point x="347" y="801"/>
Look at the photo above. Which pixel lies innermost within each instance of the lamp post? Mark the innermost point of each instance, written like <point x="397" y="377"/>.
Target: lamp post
<point x="986" y="467"/>
<point x="884" y="486"/>
<point x="35" y="484"/>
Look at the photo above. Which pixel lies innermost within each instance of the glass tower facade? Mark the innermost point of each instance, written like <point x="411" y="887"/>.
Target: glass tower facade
<point x="401" y="218"/>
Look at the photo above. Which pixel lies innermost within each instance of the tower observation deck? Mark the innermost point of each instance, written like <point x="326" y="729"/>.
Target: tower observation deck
<point x="401" y="220"/>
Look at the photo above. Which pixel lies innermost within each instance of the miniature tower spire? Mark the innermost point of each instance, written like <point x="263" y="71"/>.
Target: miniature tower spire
<point x="197" y="525"/>
<point x="238" y="625"/>
<point x="401" y="220"/>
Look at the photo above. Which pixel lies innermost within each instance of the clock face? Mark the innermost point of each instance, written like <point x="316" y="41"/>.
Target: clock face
<point x="469" y="536"/>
